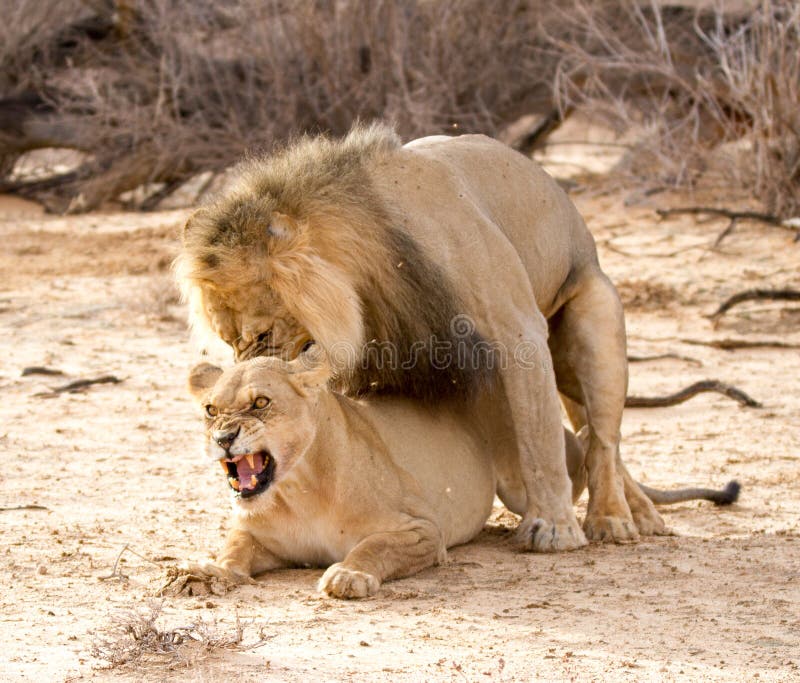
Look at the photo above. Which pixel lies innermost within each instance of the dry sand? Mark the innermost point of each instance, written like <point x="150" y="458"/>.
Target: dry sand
<point x="119" y="466"/>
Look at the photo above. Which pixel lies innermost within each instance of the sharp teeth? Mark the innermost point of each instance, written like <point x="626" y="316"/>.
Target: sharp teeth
<point x="234" y="482"/>
<point x="224" y="466"/>
<point x="251" y="461"/>
<point x="253" y="481"/>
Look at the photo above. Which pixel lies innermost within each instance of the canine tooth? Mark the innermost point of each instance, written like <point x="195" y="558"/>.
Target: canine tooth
<point x="224" y="466"/>
<point x="253" y="481"/>
<point x="234" y="482"/>
<point x="251" y="461"/>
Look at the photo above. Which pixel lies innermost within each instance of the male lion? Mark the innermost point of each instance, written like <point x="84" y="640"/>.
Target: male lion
<point x="386" y="255"/>
<point x="377" y="489"/>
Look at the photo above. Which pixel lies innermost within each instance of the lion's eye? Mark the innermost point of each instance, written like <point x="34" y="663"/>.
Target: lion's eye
<point x="211" y="410"/>
<point x="261" y="402"/>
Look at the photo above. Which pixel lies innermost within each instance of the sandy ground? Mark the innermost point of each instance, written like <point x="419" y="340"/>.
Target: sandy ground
<point x="118" y="466"/>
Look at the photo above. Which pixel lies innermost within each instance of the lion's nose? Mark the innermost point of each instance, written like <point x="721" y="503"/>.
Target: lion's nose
<point x="225" y="437"/>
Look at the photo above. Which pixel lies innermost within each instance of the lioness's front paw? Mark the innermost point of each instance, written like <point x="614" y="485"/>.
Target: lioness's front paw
<point x="340" y="582"/>
<point x="210" y="570"/>
<point x="542" y="536"/>
<point x="610" y="529"/>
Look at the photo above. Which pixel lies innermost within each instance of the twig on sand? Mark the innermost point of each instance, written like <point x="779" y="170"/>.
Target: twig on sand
<point x="115" y="573"/>
<point x="668" y="254"/>
<point x="756" y="295"/>
<point x="734" y="217"/>
<point x="24" y="507"/>
<point x="664" y="356"/>
<point x="733" y="344"/>
<point x="79" y="385"/>
<point x="40" y="370"/>
<point x="685" y="394"/>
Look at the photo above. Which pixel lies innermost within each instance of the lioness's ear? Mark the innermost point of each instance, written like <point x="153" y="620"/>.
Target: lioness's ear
<point x="201" y="378"/>
<point x="281" y="226"/>
<point x="311" y="369"/>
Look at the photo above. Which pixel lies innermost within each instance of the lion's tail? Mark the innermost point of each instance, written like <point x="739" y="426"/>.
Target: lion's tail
<point x="726" y="496"/>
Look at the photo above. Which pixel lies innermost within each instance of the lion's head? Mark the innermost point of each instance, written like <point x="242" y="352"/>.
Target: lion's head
<point x="259" y="417"/>
<point x="301" y="249"/>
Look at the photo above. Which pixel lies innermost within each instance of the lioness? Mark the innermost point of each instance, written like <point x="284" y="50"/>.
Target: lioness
<point x="377" y="490"/>
<point x="386" y="254"/>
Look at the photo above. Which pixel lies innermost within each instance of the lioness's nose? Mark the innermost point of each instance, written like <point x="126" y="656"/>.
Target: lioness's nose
<point x="225" y="437"/>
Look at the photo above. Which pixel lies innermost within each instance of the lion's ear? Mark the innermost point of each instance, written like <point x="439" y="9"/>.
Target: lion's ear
<point x="192" y="222"/>
<point x="281" y="226"/>
<point x="201" y="378"/>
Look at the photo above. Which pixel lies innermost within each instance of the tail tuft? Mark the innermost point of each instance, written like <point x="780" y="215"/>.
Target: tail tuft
<point x="728" y="495"/>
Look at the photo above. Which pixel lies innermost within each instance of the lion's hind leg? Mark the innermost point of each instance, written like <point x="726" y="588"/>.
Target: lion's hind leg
<point x="588" y="345"/>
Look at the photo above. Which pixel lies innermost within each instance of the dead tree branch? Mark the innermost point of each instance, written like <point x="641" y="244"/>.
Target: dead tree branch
<point x="733" y="344"/>
<point x="767" y="218"/>
<point x="685" y="394"/>
<point x="79" y="385"/>
<point x="41" y="370"/>
<point x="734" y="217"/>
<point x="756" y="295"/>
<point x="23" y="507"/>
<point x="664" y="356"/>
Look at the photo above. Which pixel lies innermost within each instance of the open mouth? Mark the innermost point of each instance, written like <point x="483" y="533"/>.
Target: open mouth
<point x="249" y="474"/>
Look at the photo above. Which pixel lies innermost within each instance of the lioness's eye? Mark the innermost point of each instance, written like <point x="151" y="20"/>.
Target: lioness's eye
<point x="212" y="411"/>
<point x="261" y="402"/>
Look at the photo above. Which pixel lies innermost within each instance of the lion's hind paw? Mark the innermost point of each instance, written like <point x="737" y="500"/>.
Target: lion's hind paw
<point x="608" y="529"/>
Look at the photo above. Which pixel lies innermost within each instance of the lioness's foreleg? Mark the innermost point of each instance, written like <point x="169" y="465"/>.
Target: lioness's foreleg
<point x="383" y="556"/>
<point x="588" y="344"/>
<point x="241" y="558"/>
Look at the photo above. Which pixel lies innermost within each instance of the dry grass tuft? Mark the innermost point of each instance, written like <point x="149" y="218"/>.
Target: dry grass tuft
<point x="137" y="636"/>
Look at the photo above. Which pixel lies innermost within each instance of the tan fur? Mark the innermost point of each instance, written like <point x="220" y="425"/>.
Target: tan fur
<point x="361" y="240"/>
<point x="375" y="490"/>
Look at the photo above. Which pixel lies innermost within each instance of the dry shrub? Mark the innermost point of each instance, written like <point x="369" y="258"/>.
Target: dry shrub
<point x="715" y="94"/>
<point x="170" y="88"/>
<point x="136" y="636"/>
<point x="157" y="91"/>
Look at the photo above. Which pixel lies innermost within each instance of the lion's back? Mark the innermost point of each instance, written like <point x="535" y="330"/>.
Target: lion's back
<point x="470" y="179"/>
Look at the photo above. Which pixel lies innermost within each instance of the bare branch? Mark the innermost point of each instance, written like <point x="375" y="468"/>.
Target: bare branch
<point x="756" y="295"/>
<point x="733" y="344"/>
<point x="685" y="394"/>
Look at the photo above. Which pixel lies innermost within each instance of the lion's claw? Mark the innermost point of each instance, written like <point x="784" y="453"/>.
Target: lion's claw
<point x="339" y="581"/>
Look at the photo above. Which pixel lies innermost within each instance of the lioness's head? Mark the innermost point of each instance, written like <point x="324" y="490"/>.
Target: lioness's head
<point x="259" y="417"/>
